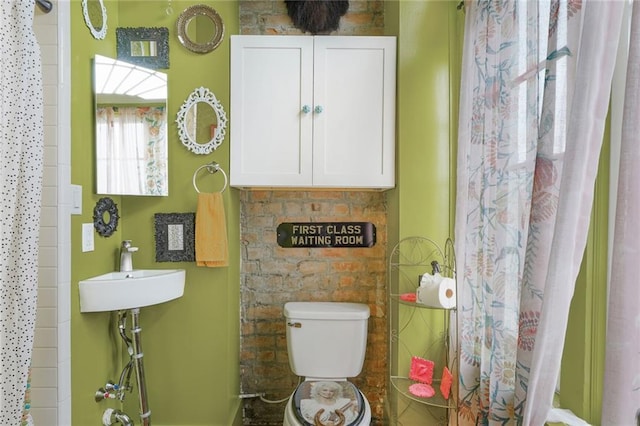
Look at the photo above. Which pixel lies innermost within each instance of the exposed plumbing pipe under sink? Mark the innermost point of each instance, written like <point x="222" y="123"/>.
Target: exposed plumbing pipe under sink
<point x="145" y="413"/>
<point x="135" y="364"/>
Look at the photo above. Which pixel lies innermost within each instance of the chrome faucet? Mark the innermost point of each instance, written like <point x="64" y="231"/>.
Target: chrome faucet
<point x="126" y="251"/>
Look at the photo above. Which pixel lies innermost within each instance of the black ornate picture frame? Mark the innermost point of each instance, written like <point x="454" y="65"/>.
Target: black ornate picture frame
<point x="105" y="217"/>
<point x="175" y="237"/>
<point x="147" y="47"/>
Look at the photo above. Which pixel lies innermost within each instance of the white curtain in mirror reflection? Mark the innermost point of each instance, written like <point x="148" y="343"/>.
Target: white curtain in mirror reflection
<point x="133" y="161"/>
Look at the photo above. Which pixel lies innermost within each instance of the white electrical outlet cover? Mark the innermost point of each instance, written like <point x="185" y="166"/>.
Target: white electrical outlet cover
<point x="87" y="237"/>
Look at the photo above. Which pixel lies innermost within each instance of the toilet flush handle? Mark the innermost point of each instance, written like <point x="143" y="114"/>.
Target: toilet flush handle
<point x="294" y="324"/>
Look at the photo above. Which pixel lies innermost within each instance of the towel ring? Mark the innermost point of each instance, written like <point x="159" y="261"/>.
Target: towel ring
<point x="211" y="168"/>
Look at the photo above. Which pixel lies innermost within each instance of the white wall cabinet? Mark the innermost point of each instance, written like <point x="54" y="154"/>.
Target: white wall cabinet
<point x="313" y="111"/>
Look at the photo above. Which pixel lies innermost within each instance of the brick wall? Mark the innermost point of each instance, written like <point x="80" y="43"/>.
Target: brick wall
<point x="272" y="275"/>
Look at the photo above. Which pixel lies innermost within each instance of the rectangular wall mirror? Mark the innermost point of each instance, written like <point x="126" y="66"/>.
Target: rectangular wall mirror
<point x="131" y="129"/>
<point x="148" y="47"/>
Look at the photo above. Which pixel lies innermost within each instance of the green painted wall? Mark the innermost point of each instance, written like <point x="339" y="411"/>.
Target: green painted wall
<point x="427" y="98"/>
<point x="429" y="44"/>
<point x="583" y="359"/>
<point x="427" y="102"/>
<point x="191" y="344"/>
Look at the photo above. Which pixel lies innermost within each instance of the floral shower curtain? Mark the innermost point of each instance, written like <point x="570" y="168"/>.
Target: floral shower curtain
<point x="534" y="97"/>
<point x="21" y="157"/>
<point x="621" y="401"/>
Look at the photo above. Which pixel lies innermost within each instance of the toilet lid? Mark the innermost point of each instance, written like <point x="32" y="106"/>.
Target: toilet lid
<point x="322" y="398"/>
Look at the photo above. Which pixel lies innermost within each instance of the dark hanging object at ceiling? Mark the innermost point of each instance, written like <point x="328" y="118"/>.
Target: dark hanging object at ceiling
<point x="316" y="16"/>
<point x="45" y="5"/>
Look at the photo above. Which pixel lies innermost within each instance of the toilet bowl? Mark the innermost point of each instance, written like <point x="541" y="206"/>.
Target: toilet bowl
<point x="326" y="343"/>
<point x="302" y="409"/>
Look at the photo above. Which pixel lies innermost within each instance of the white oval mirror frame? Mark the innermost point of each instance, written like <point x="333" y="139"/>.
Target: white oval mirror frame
<point x="186" y="119"/>
<point x="100" y="33"/>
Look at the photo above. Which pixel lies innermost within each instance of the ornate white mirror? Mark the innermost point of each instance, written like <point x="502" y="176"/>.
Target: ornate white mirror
<point x="202" y="122"/>
<point x="131" y="129"/>
<point x="95" y="16"/>
<point x="200" y="28"/>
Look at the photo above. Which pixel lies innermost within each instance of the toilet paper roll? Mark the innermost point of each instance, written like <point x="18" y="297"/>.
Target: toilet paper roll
<point x="437" y="292"/>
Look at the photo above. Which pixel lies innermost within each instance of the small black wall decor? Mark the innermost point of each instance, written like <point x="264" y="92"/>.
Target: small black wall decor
<point x="105" y="217"/>
<point x="175" y="237"/>
<point x="316" y="16"/>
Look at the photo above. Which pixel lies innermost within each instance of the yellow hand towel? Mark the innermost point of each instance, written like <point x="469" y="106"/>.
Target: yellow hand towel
<point x="211" y="231"/>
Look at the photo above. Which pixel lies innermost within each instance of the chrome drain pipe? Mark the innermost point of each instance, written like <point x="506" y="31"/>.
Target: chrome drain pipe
<point x="112" y="416"/>
<point x="145" y="413"/>
<point x="122" y="325"/>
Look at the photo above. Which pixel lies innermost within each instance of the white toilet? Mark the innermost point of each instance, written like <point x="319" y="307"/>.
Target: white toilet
<point x="326" y="342"/>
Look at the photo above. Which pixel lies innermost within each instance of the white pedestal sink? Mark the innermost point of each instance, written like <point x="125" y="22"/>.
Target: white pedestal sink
<point x="117" y="291"/>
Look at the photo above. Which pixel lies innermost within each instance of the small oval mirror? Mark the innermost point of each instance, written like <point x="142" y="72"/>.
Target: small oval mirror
<point x="200" y="28"/>
<point x="202" y="122"/>
<point x="95" y="16"/>
<point x="205" y="123"/>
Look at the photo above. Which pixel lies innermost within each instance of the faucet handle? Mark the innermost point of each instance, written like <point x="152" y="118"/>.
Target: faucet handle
<point x="127" y="247"/>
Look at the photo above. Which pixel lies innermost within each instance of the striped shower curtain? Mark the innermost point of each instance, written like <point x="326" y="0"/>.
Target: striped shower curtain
<point x="21" y="158"/>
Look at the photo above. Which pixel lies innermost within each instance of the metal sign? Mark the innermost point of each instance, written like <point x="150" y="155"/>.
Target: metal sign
<point x="326" y="234"/>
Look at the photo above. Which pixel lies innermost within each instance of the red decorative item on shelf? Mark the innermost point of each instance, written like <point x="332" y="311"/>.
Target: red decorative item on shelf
<point x="422" y="390"/>
<point x="408" y="297"/>
<point x="445" y="383"/>
<point x="421" y="370"/>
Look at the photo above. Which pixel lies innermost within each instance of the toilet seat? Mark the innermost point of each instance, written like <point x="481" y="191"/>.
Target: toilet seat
<point x="350" y="401"/>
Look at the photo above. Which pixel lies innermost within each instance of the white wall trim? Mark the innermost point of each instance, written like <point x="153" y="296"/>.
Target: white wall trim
<point x="64" y="217"/>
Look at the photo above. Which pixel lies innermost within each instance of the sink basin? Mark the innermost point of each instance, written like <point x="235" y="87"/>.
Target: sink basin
<point x="127" y="290"/>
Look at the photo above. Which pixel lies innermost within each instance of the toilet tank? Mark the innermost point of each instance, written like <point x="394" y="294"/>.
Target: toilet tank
<point x="326" y="339"/>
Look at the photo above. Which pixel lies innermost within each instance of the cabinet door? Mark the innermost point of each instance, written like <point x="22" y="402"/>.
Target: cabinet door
<point x="271" y="82"/>
<point x="354" y="134"/>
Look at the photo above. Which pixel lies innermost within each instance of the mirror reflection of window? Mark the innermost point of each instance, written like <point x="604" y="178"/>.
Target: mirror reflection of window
<point x="133" y="159"/>
<point x="131" y="129"/>
<point x="144" y="48"/>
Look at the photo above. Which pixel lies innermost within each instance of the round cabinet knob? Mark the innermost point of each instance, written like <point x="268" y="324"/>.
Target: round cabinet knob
<point x="306" y="109"/>
<point x="318" y="109"/>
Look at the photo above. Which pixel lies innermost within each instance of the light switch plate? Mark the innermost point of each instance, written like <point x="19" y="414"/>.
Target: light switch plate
<point x="76" y="199"/>
<point x="87" y="237"/>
